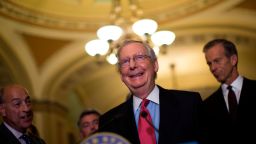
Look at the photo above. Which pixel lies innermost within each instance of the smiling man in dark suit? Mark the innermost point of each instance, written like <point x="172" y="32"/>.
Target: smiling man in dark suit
<point x="231" y="109"/>
<point x="17" y="114"/>
<point x="172" y="115"/>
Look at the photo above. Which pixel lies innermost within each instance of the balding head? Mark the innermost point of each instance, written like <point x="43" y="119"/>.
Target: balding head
<point x="15" y="107"/>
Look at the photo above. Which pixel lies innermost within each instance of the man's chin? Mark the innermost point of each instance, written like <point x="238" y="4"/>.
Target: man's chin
<point x="218" y="79"/>
<point x="27" y="124"/>
<point x="137" y="86"/>
<point x="24" y="127"/>
<point x="221" y="81"/>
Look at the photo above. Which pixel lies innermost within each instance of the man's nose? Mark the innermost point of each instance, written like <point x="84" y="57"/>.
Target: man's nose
<point x="132" y="63"/>
<point x="25" y="106"/>
<point x="213" y="67"/>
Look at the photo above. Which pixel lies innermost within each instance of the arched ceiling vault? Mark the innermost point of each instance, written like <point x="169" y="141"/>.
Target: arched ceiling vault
<point x="46" y="39"/>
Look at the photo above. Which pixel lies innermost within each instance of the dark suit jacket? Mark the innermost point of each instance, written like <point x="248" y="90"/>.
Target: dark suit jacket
<point x="179" y="111"/>
<point x="6" y="137"/>
<point x="218" y="125"/>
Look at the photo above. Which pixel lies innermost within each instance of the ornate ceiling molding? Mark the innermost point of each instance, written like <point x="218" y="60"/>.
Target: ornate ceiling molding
<point x="171" y="12"/>
<point x="19" y="13"/>
<point x="182" y="10"/>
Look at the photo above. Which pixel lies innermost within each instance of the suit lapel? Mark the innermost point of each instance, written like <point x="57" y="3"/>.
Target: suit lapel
<point x="245" y="93"/>
<point x="5" y="132"/>
<point x="217" y="108"/>
<point x="220" y="101"/>
<point x="247" y="97"/>
<point x="168" y="113"/>
<point x="130" y="124"/>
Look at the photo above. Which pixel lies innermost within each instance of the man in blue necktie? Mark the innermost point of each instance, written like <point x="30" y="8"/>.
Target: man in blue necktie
<point x="17" y="114"/>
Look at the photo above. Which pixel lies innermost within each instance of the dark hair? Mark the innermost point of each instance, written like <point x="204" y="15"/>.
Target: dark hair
<point x="87" y="112"/>
<point x="229" y="47"/>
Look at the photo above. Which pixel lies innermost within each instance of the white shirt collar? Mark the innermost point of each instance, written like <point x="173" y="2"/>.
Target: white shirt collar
<point x="16" y="133"/>
<point x="236" y="87"/>
<point x="153" y="96"/>
<point x="236" y="84"/>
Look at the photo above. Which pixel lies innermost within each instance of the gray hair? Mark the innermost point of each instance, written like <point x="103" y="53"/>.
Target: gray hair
<point x="149" y="50"/>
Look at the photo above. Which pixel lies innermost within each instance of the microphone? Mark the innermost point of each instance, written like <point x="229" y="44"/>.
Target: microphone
<point x="144" y="115"/>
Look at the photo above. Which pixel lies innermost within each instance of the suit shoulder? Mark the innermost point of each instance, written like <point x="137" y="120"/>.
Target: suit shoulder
<point x="180" y="96"/>
<point x="6" y="136"/>
<point x="109" y="119"/>
<point x="216" y="96"/>
<point x="4" y="131"/>
<point x="116" y="110"/>
<point x="183" y="93"/>
<point x="178" y="92"/>
<point x="250" y="82"/>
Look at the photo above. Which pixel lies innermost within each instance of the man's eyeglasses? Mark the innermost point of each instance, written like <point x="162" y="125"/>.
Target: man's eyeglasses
<point x="135" y="58"/>
<point x="89" y="124"/>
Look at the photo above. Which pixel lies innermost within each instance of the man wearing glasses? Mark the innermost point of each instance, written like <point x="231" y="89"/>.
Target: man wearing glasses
<point x="152" y="114"/>
<point x="88" y="122"/>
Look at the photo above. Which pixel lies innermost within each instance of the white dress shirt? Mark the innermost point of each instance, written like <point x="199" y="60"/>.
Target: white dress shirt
<point x="236" y="87"/>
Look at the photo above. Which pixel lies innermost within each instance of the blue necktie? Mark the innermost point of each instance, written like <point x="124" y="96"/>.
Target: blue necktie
<point x="26" y="139"/>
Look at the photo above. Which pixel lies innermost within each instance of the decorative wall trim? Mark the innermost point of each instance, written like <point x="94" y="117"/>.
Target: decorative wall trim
<point x="49" y="107"/>
<point x="201" y="38"/>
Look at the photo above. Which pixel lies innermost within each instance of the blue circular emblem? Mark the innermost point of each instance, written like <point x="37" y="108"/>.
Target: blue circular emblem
<point x="105" y="138"/>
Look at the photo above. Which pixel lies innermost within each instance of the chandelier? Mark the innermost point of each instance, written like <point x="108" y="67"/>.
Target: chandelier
<point x="123" y="28"/>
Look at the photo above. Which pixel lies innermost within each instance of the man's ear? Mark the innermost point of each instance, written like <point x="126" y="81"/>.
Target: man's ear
<point x="234" y="59"/>
<point x="2" y="110"/>
<point x="156" y="66"/>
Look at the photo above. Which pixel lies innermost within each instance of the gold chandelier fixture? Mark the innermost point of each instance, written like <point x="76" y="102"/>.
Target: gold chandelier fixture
<point x="122" y="28"/>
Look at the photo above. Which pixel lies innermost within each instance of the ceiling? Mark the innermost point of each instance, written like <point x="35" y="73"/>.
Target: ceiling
<point x="42" y="46"/>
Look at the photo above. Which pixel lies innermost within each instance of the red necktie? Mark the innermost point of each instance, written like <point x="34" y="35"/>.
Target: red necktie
<point x="232" y="102"/>
<point x="146" y="131"/>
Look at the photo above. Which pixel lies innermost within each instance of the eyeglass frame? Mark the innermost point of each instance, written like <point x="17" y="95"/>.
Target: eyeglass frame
<point x="138" y="58"/>
<point x="149" y="51"/>
<point x="87" y="125"/>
